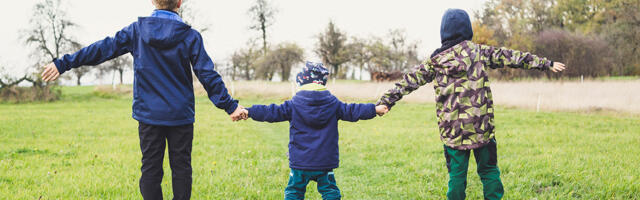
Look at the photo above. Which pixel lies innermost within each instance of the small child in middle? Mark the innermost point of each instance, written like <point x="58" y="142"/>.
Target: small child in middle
<point x="313" y="115"/>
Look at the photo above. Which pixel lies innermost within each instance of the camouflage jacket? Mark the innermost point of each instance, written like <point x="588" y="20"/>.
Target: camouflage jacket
<point x="464" y="104"/>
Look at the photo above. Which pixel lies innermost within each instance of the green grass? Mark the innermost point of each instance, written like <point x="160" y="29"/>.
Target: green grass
<point x="86" y="147"/>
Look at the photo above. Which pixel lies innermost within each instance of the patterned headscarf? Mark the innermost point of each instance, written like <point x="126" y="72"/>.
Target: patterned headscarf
<point x="312" y="73"/>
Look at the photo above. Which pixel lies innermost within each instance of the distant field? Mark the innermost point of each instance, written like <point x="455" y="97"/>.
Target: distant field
<point x="590" y="95"/>
<point x="86" y="147"/>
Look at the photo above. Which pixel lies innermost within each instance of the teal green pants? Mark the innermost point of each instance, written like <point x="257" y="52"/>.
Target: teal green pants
<point x="458" y="164"/>
<point x="298" y="180"/>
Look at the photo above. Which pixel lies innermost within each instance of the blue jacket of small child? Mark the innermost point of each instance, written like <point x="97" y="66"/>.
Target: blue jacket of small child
<point x="164" y="50"/>
<point x="313" y="126"/>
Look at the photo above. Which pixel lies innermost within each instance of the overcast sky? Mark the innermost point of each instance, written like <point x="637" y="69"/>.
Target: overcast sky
<point x="296" y="21"/>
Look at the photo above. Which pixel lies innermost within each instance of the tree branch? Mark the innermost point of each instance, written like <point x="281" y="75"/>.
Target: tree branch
<point x="11" y="84"/>
<point x="43" y="44"/>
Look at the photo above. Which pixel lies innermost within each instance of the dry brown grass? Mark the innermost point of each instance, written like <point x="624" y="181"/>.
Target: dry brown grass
<point x="29" y="94"/>
<point x="587" y="96"/>
<point x="108" y="91"/>
<point x="566" y="96"/>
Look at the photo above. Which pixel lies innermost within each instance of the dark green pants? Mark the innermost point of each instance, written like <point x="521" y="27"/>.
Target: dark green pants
<point x="298" y="180"/>
<point x="458" y="164"/>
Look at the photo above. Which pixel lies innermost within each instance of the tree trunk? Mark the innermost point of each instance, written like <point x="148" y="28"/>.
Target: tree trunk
<point x="285" y="76"/>
<point x="353" y="75"/>
<point x="264" y="37"/>
<point x="78" y="80"/>
<point x="121" y="72"/>
<point x="270" y="75"/>
<point x="234" y="70"/>
<point x="247" y="74"/>
<point x="361" y="67"/>
<point x="335" y="72"/>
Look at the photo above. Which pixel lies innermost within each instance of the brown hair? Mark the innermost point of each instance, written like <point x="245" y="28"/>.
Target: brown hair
<point x="166" y="4"/>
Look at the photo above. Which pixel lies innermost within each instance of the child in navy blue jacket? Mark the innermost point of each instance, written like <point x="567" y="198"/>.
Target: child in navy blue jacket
<point x="313" y="115"/>
<point x="165" y="50"/>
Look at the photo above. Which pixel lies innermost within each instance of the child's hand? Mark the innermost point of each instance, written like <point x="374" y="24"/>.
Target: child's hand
<point x="245" y="114"/>
<point x="239" y="114"/>
<point x="382" y="110"/>
<point x="557" y="67"/>
<point x="50" y="73"/>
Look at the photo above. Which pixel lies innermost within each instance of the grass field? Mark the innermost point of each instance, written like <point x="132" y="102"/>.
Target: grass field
<point x="86" y="147"/>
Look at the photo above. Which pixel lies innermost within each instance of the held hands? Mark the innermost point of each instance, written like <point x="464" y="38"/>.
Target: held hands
<point x="50" y="73"/>
<point x="240" y="113"/>
<point x="381" y="110"/>
<point x="245" y="113"/>
<point x="557" y="67"/>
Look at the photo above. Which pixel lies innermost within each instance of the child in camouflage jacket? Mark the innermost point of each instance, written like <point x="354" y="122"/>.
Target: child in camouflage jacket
<point x="464" y="104"/>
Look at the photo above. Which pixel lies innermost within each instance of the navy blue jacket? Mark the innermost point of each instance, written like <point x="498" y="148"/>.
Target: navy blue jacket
<point x="164" y="51"/>
<point x="313" y="126"/>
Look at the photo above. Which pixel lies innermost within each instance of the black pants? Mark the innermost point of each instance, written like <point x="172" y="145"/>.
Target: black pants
<point x="152" y="143"/>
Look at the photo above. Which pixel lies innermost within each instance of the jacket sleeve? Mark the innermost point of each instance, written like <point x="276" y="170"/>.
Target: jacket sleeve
<point x="99" y="51"/>
<point x="422" y="75"/>
<point x="500" y="57"/>
<point x="355" y="112"/>
<point x="210" y="79"/>
<point x="271" y="113"/>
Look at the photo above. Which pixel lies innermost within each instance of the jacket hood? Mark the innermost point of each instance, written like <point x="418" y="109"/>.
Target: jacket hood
<point x="317" y="108"/>
<point x="162" y="33"/>
<point x="454" y="29"/>
<point x="455" y="25"/>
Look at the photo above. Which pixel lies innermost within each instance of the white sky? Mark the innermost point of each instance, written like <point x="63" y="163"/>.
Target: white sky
<point x="296" y="21"/>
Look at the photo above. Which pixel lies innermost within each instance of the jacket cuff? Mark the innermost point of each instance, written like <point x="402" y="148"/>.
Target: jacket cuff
<point x="232" y="108"/>
<point x="549" y="65"/>
<point x="59" y="65"/>
<point x="252" y="112"/>
<point x="372" y="113"/>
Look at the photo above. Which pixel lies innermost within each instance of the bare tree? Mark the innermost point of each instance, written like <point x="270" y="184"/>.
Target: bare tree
<point x="7" y="82"/>
<point x="263" y="16"/>
<point x="265" y="67"/>
<point x="243" y="61"/>
<point x="286" y="56"/>
<point x="404" y="53"/>
<point x="10" y="92"/>
<point x="116" y="65"/>
<point x="79" y="72"/>
<point x="189" y="14"/>
<point x="331" y="47"/>
<point x="49" y="33"/>
<point x="281" y="59"/>
<point x="359" y="53"/>
<point x="380" y="55"/>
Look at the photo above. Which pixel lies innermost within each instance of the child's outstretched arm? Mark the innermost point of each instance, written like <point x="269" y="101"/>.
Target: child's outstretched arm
<point x="422" y="75"/>
<point x="500" y="57"/>
<point x="93" y="54"/>
<point x="270" y="113"/>
<point x="354" y="112"/>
